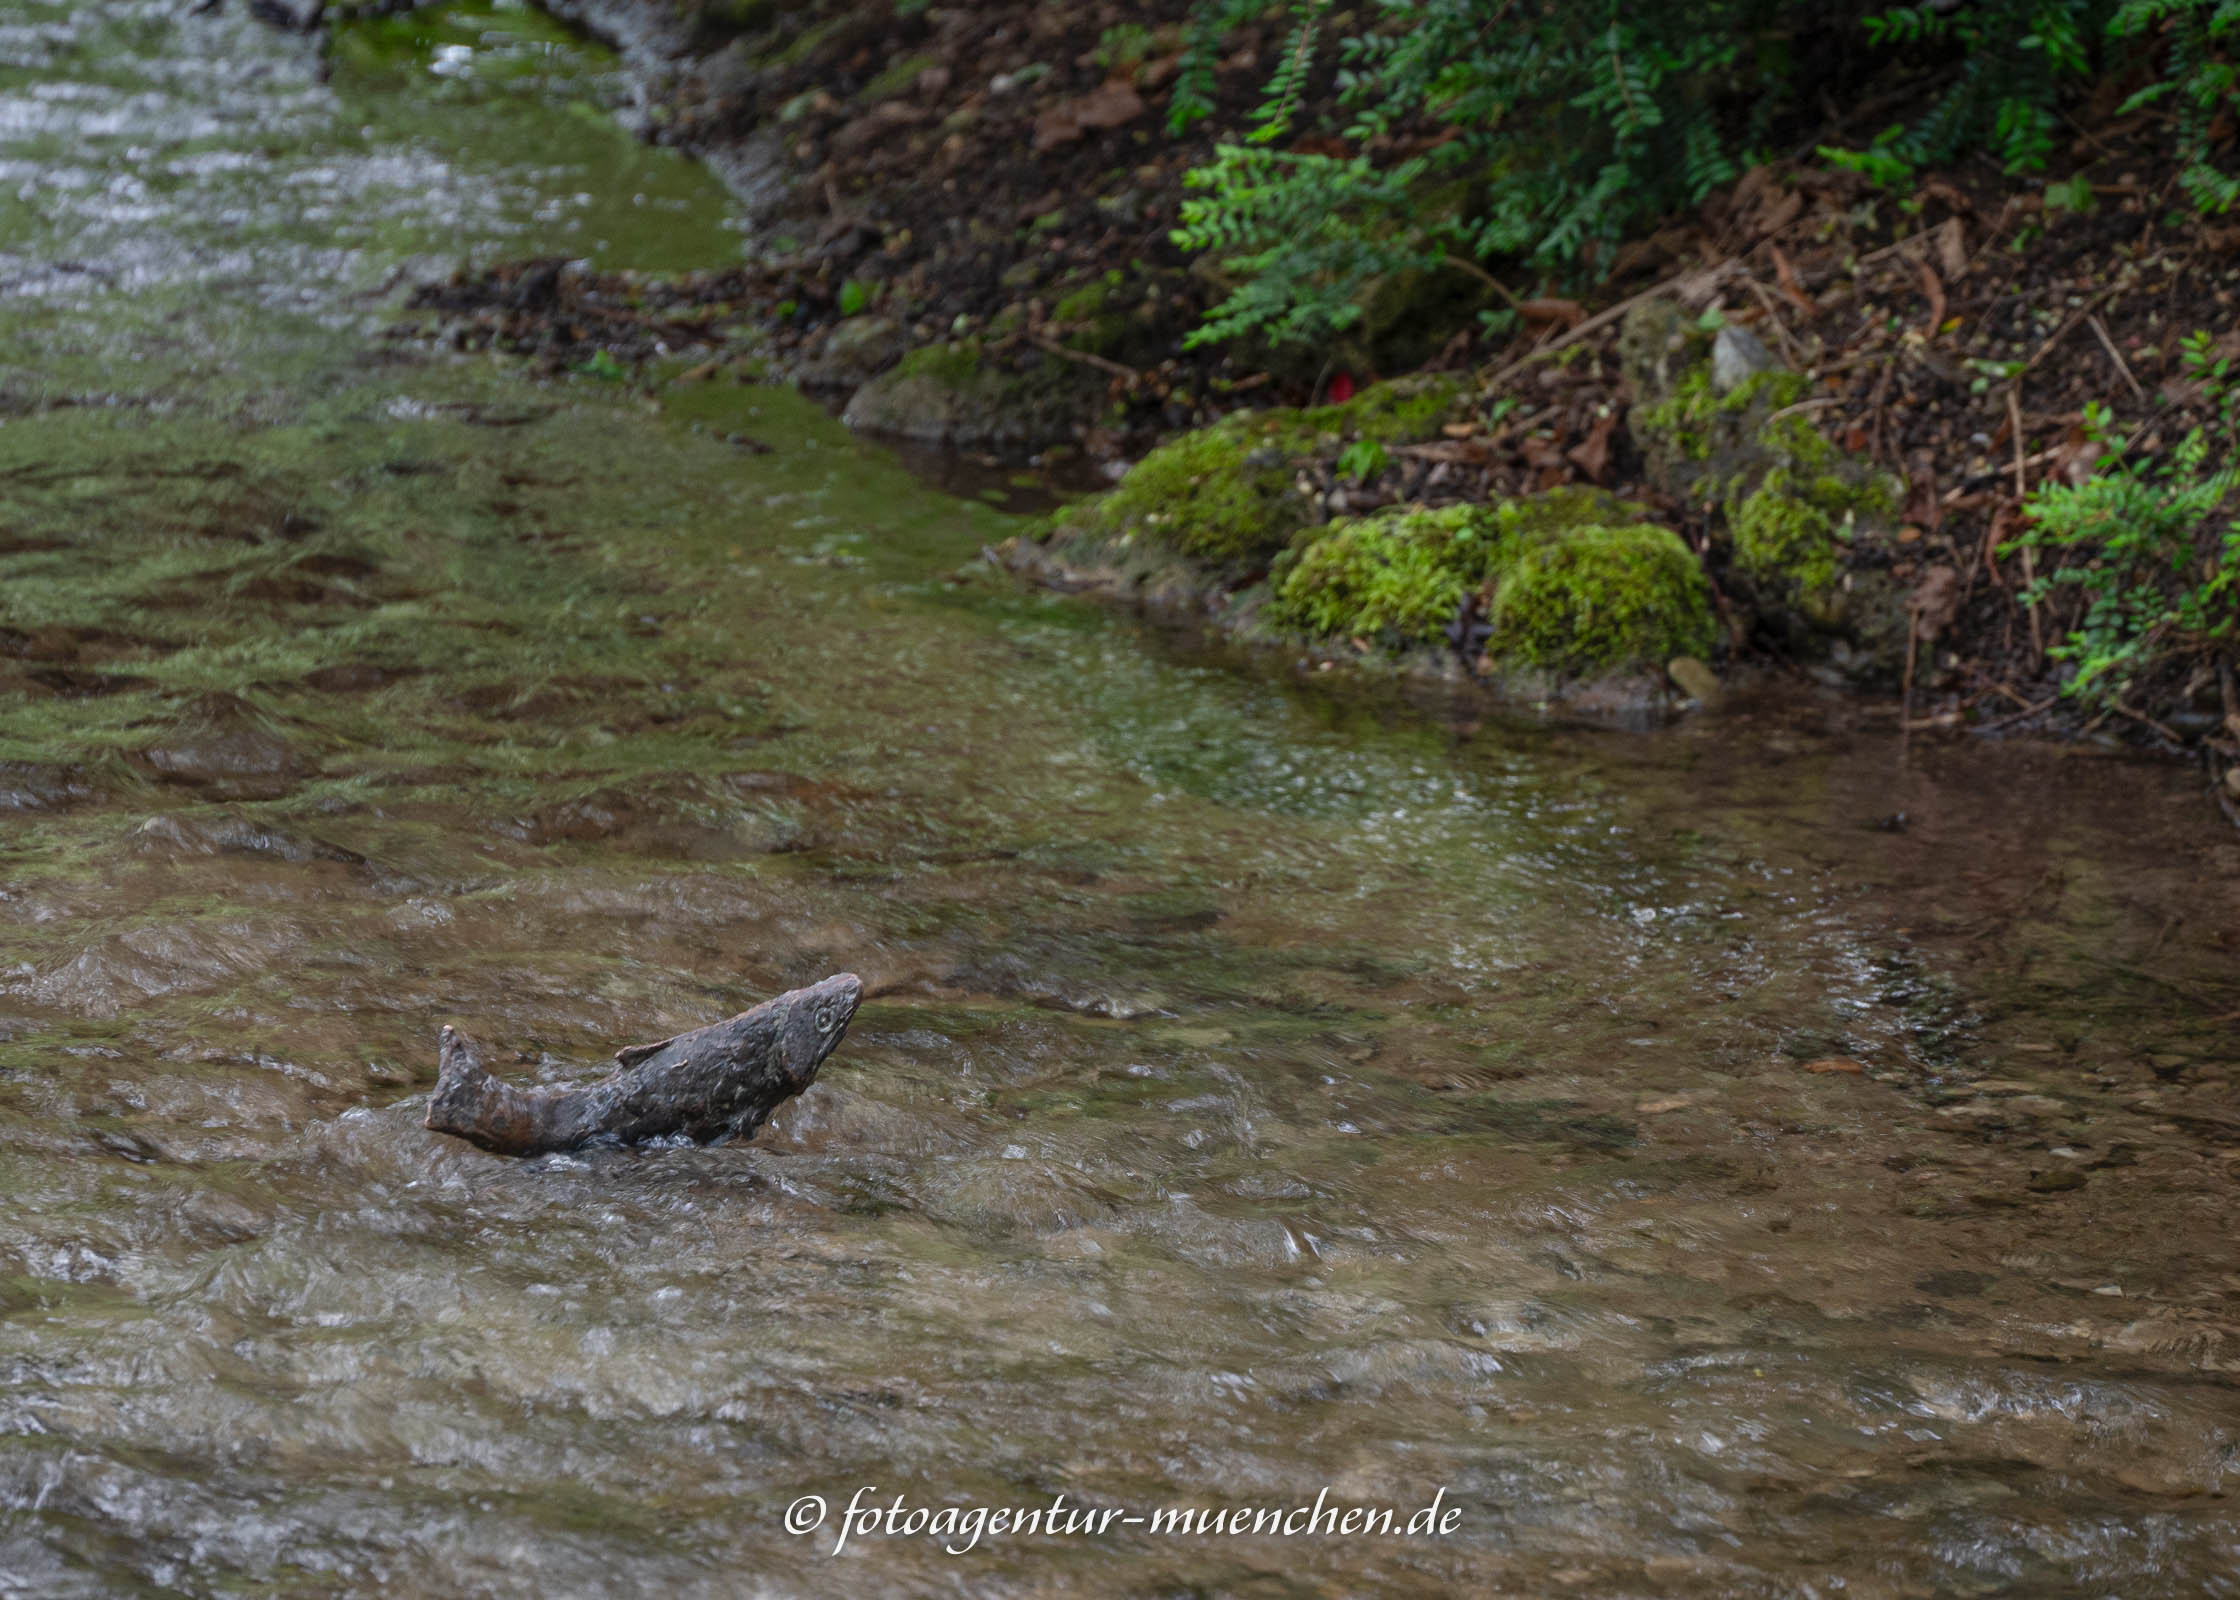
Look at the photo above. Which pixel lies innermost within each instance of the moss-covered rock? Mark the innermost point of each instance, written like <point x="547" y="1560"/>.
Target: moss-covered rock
<point x="1579" y="585"/>
<point x="1225" y="495"/>
<point x="1600" y="600"/>
<point x="955" y="394"/>
<point x="1394" y="412"/>
<point x="1398" y="575"/>
<point x="1222" y="494"/>
<point x="1795" y="504"/>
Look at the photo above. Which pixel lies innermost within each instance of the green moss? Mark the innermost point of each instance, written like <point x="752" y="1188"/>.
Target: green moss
<point x="1084" y="304"/>
<point x="1601" y="599"/>
<point x="1400" y="574"/>
<point x="805" y="43"/>
<point x="1781" y="536"/>
<point x="1692" y="419"/>
<point x="1789" y="529"/>
<point x="956" y="363"/>
<point x="900" y="77"/>
<point x="1222" y="493"/>
<point x="1093" y="325"/>
<point x="1683" y="419"/>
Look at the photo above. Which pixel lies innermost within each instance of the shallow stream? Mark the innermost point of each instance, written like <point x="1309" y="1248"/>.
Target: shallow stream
<point x="1727" y="1161"/>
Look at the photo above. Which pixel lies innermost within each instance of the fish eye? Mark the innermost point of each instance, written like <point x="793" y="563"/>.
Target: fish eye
<point x="824" y="1019"/>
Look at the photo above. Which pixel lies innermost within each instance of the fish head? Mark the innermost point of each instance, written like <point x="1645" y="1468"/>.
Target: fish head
<point x="814" y="1020"/>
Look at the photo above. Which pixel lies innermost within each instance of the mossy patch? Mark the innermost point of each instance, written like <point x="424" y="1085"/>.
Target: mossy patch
<point x="1579" y="584"/>
<point x="1225" y="494"/>
<point x="1091" y="316"/>
<point x="900" y="77"/>
<point x="1602" y="599"/>
<point x="1694" y="421"/>
<point x="1222" y="494"/>
<point x="1795" y="502"/>
<point x="1399" y="574"/>
<point x="1790" y="525"/>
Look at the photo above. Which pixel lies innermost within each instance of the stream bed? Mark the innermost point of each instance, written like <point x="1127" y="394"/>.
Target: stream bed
<point x="1724" y="1161"/>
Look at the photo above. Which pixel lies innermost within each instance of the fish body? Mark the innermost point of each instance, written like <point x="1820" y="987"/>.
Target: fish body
<point x="714" y="1083"/>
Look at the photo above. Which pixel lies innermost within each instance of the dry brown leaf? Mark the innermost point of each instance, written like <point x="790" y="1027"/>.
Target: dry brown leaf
<point x="1774" y="215"/>
<point x="1923" y="507"/>
<point x="1540" y="453"/>
<point x="1939" y="189"/>
<point x="1592" y="454"/>
<point x="1934" y="601"/>
<point x="1932" y="286"/>
<point x="1952" y="246"/>
<point x="1786" y="275"/>
<point x="1109" y="105"/>
<point x="1569" y="313"/>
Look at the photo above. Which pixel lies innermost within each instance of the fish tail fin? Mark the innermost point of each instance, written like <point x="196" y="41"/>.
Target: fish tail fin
<point x="465" y="1093"/>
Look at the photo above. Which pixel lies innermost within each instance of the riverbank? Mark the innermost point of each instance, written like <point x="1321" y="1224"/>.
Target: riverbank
<point x="960" y="223"/>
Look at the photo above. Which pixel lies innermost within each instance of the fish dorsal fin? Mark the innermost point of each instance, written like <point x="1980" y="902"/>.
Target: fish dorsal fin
<point x="631" y="1054"/>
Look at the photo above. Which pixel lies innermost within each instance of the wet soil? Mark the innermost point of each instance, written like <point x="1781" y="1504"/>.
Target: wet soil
<point x="1724" y="1162"/>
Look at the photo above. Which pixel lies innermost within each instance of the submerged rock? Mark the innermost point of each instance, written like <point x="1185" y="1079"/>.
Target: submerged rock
<point x="225" y="747"/>
<point x="232" y="834"/>
<point x="39" y="786"/>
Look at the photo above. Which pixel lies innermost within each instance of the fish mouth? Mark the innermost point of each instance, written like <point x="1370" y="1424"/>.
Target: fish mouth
<point x="840" y="994"/>
<point x="843" y="989"/>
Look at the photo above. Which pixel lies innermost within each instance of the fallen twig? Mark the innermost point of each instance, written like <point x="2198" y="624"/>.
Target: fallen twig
<point x="1101" y="363"/>
<point x="1602" y="319"/>
<point x="2062" y="332"/>
<point x="2022" y="495"/>
<point x="2100" y="329"/>
<point x="2016" y="716"/>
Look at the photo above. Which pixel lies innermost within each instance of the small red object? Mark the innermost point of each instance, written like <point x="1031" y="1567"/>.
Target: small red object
<point x="1341" y="388"/>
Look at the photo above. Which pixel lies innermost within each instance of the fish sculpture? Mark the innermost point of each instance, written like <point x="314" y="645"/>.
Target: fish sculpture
<point x="714" y="1083"/>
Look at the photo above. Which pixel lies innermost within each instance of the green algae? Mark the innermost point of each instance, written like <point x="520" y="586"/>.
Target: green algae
<point x="520" y="89"/>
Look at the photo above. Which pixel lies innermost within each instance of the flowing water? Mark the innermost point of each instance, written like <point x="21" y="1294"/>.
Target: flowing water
<point x="1643" y="1148"/>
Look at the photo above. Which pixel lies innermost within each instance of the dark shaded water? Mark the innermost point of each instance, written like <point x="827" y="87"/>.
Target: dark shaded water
<point x="1263" y="1091"/>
